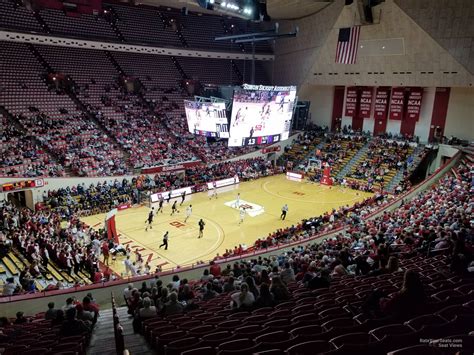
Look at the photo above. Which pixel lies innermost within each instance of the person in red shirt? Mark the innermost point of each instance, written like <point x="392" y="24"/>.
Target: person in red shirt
<point x="105" y="252"/>
<point x="215" y="269"/>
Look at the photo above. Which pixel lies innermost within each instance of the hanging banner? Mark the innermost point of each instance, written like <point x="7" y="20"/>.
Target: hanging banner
<point x="414" y="103"/>
<point x="351" y="101"/>
<point x="365" y="104"/>
<point x="381" y="103"/>
<point x="396" y="104"/>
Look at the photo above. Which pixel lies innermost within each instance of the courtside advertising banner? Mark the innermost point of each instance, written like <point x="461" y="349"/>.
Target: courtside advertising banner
<point x="414" y="103"/>
<point x="381" y="103"/>
<point x="396" y="104"/>
<point x="365" y="105"/>
<point x="224" y="182"/>
<point x="351" y="101"/>
<point x="174" y="193"/>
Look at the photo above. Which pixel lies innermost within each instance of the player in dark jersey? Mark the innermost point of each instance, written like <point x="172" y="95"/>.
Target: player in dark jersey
<point x="160" y="205"/>
<point x="151" y="214"/>
<point x="201" y="224"/>
<point x="165" y="241"/>
<point x="174" y="208"/>
<point x="169" y="197"/>
<point x="183" y="196"/>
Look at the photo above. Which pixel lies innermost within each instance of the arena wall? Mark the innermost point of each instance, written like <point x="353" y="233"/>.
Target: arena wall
<point x="460" y="116"/>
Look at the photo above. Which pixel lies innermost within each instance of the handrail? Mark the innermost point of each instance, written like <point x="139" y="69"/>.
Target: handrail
<point x="194" y="266"/>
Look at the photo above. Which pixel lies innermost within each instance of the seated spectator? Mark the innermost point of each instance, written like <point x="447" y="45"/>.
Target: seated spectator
<point x="128" y="291"/>
<point x="89" y="306"/>
<point x="322" y="280"/>
<point x="164" y="298"/>
<point x="20" y="318"/>
<point x="9" y="287"/>
<point x="265" y="298"/>
<point x="252" y="288"/>
<point x="209" y="293"/>
<point x="206" y="276"/>
<point x="69" y="304"/>
<point x="288" y="274"/>
<point x="148" y="310"/>
<point x="72" y="326"/>
<point x="229" y="285"/>
<point x="50" y="314"/>
<point x="86" y="316"/>
<point x="215" y="269"/>
<point x="185" y="294"/>
<point x="243" y="299"/>
<point x="409" y="300"/>
<point x="279" y="290"/>
<point x="172" y="306"/>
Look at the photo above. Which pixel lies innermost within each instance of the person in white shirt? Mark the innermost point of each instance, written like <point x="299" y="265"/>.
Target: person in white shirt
<point x="242" y="215"/>
<point x="128" y="291"/>
<point x="189" y="211"/>
<point x="244" y="298"/>
<point x="128" y="265"/>
<point x="237" y="201"/>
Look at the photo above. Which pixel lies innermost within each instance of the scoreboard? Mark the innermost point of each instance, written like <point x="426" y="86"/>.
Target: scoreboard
<point x="21" y="185"/>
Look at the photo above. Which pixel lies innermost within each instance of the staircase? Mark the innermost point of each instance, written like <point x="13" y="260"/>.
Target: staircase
<point x="102" y="341"/>
<point x="112" y="18"/>
<point x="236" y="71"/>
<point x="348" y="167"/>
<point x="392" y="184"/>
<point x="41" y="21"/>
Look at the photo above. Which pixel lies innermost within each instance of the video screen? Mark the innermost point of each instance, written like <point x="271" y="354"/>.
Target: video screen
<point x="207" y="118"/>
<point x="261" y="114"/>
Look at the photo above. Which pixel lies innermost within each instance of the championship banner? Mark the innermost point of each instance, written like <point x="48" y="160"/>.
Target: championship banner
<point x="381" y="103"/>
<point x="351" y="101"/>
<point x="414" y="103"/>
<point x="396" y="104"/>
<point x="365" y="104"/>
<point x="110" y="226"/>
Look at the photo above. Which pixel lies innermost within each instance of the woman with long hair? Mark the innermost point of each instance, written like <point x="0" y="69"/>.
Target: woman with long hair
<point x="266" y="298"/>
<point x="279" y="289"/>
<point x="244" y="298"/>
<point x="409" y="301"/>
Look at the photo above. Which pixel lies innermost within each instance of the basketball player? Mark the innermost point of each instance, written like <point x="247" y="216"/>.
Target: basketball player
<point x="201" y="224"/>
<point x="242" y="215"/>
<point x="160" y="205"/>
<point x="237" y="201"/>
<point x="282" y="102"/>
<point x="165" y="241"/>
<point x="151" y="214"/>
<point x="214" y="191"/>
<point x="284" y="211"/>
<point x="174" y="208"/>
<point x="183" y="196"/>
<point x="169" y="197"/>
<point x="189" y="211"/>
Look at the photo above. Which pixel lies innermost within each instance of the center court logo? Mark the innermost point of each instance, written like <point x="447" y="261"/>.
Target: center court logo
<point x="252" y="209"/>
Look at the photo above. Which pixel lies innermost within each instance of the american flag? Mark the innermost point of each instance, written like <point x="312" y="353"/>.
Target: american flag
<point x="347" y="44"/>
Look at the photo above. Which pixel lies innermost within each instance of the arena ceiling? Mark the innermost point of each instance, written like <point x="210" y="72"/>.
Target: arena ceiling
<point x="277" y="9"/>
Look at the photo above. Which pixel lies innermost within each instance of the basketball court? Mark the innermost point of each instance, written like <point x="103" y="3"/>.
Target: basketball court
<point x="263" y="200"/>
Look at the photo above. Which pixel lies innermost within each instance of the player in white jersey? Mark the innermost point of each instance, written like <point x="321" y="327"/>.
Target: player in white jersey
<point x="237" y="201"/>
<point x="242" y="215"/>
<point x="214" y="191"/>
<point x="189" y="211"/>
